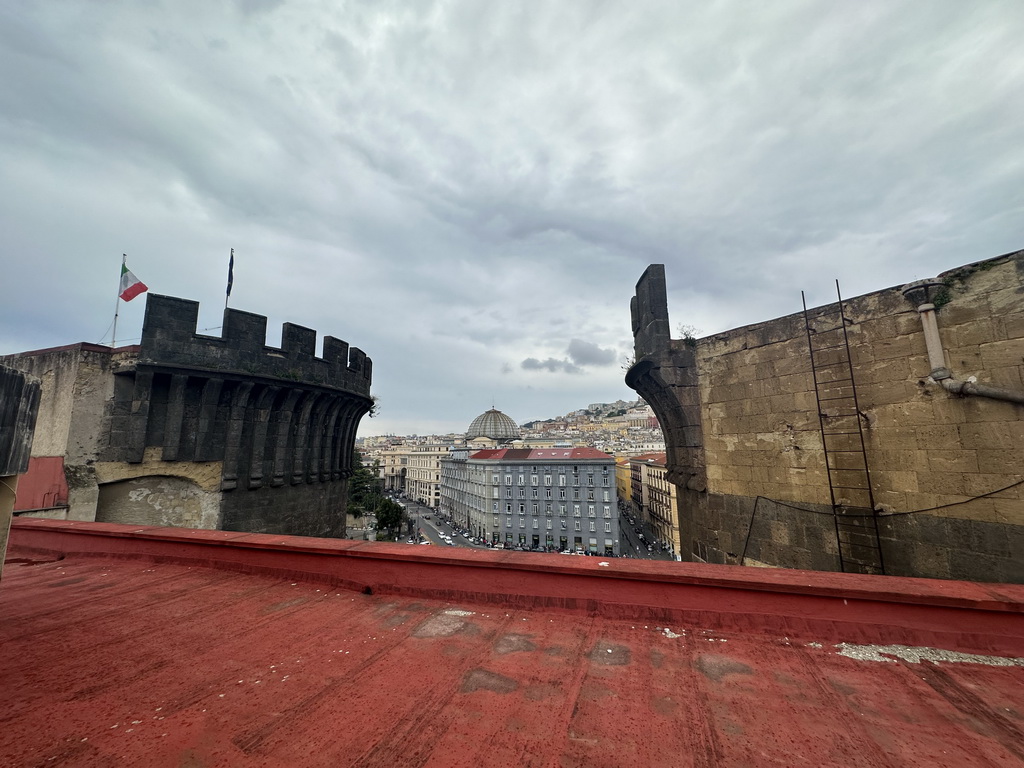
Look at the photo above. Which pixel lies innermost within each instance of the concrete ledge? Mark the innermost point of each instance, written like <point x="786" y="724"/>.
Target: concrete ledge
<point x="806" y="605"/>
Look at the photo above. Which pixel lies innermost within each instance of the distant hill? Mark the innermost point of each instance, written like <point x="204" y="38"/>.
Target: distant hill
<point x="595" y="410"/>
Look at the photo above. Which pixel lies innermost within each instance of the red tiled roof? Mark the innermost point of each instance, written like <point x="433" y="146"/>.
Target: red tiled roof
<point x="168" y="647"/>
<point x="538" y="454"/>
<point x="570" y="453"/>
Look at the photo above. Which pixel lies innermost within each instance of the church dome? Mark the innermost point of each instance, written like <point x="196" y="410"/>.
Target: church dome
<point x="495" y="425"/>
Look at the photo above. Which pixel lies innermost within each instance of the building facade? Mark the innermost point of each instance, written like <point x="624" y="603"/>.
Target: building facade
<point x="423" y="473"/>
<point x="654" y="498"/>
<point x="394" y="466"/>
<point x="553" y="499"/>
<point x="623" y="479"/>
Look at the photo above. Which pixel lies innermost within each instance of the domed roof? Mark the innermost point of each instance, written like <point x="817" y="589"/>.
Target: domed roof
<point x="495" y="425"/>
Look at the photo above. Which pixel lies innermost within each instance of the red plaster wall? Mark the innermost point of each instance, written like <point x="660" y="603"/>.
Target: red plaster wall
<point x="831" y="607"/>
<point x="43" y="486"/>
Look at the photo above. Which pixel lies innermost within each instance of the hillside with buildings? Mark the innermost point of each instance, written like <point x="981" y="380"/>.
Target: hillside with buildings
<point x="622" y="428"/>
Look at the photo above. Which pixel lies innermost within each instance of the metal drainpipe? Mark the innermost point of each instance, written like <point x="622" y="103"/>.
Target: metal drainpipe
<point x="920" y="293"/>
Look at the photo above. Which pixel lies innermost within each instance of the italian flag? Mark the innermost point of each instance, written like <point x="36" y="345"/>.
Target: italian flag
<point x="131" y="286"/>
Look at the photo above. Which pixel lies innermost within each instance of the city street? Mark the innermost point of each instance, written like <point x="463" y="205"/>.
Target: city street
<point x="632" y="546"/>
<point x="433" y="528"/>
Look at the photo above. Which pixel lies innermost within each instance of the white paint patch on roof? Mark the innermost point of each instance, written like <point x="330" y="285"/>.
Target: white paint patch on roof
<point x="889" y="653"/>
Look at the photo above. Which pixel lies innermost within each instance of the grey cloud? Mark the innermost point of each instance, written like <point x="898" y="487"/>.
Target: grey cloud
<point x="586" y="353"/>
<point x="476" y="183"/>
<point x="580" y="353"/>
<point x="551" y="364"/>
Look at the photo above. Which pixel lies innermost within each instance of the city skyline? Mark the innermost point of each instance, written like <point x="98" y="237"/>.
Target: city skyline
<point x="470" y="194"/>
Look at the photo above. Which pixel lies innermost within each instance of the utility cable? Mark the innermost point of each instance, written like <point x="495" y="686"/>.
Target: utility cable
<point x="753" y="512"/>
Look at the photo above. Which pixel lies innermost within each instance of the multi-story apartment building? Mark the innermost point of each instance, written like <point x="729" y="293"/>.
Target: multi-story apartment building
<point x="393" y="465"/>
<point x="654" y="497"/>
<point x="536" y="498"/>
<point x="623" y="478"/>
<point x="455" y="494"/>
<point x="423" y="473"/>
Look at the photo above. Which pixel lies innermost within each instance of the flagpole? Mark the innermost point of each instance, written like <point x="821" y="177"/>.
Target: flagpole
<point x="117" y="305"/>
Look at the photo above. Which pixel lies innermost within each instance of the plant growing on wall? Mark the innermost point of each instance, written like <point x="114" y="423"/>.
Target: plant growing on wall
<point x="957" y="280"/>
<point x="689" y="334"/>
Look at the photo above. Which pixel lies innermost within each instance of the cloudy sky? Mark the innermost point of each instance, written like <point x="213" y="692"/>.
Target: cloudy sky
<point x="468" y="191"/>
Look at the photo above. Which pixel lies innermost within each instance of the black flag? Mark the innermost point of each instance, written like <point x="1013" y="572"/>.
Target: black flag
<point x="231" y="272"/>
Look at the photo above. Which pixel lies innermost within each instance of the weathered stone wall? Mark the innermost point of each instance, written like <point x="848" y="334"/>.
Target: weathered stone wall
<point x="210" y="432"/>
<point x="933" y="457"/>
<point x="169" y="338"/>
<point x="76" y="386"/>
<point x="180" y="493"/>
<point x="156" y="500"/>
<point x="665" y="373"/>
<point x="56" y="370"/>
<point x="19" y="406"/>
<point x="315" y="510"/>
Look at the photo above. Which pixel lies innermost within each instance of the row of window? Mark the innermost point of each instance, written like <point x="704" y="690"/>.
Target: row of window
<point x="577" y="524"/>
<point x="535" y="494"/>
<point x="576" y="512"/>
<point x="535" y="480"/>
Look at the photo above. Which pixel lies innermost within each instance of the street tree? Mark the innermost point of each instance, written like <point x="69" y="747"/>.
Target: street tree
<point x="364" y="494"/>
<point x="390" y="516"/>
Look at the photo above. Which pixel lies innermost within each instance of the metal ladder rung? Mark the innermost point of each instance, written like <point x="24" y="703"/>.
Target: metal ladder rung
<point x="861" y="545"/>
<point x="831" y="346"/>
<point x="863" y="553"/>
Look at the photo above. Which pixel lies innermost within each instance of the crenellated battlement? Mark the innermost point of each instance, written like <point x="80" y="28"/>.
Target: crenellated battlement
<point x="170" y="337"/>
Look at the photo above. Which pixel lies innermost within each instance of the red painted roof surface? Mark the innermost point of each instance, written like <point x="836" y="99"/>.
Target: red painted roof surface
<point x="114" y="655"/>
